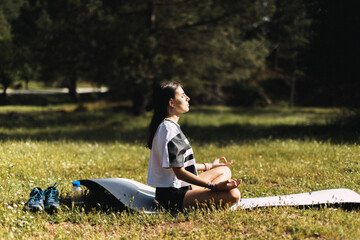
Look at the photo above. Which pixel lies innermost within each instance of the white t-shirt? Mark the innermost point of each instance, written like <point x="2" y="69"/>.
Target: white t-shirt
<point x="170" y="148"/>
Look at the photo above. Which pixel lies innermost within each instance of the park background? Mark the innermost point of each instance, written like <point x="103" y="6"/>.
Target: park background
<point x="240" y="53"/>
<point x="273" y="85"/>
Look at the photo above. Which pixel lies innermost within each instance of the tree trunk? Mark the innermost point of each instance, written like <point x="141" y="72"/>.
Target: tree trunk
<point x="72" y="89"/>
<point x="151" y="16"/>
<point x="292" y="94"/>
<point x="142" y="89"/>
<point x="5" y="82"/>
<point x="27" y="80"/>
<point x="141" y="96"/>
<point x="138" y="100"/>
<point x="3" y="100"/>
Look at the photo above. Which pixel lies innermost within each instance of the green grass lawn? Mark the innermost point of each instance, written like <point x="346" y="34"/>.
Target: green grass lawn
<point x="275" y="151"/>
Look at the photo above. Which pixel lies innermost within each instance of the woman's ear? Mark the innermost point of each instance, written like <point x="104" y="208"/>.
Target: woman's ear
<point x="171" y="103"/>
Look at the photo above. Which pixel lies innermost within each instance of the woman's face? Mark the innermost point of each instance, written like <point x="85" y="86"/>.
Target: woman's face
<point x="180" y="103"/>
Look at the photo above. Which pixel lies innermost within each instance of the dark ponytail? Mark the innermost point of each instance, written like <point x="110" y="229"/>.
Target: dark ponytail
<point x="162" y="93"/>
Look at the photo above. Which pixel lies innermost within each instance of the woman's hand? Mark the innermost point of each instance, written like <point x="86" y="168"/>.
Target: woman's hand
<point x="220" y="162"/>
<point x="227" y="185"/>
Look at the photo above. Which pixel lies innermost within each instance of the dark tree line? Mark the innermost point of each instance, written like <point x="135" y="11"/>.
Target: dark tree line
<point x="240" y="52"/>
<point x="333" y="57"/>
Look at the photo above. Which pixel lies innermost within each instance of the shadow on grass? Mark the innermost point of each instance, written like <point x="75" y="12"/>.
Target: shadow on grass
<point x="114" y="124"/>
<point x="105" y="125"/>
<point x="226" y="134"/>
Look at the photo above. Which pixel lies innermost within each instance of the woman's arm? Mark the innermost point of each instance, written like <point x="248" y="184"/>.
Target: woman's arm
<point x="216" y="163"/>
<point x="186" y="176"/>
<point x="200" y="166"/>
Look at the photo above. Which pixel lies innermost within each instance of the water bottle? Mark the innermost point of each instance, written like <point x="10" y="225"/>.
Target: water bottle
<point x="77" y="198"/>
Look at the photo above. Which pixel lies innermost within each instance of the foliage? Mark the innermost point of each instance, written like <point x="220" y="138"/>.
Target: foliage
<point x="289" y="33"/>
<point x="332" y="57"/>
<point x="62" y="44"/>
<point x="212" y="46"/>
<point x="129" y="46"/>
<point x="275" y="151"/>
<point x="9" y="54"/>
<point x="5" y="52"/>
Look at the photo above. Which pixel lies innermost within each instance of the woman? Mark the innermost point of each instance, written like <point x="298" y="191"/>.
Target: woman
<point x="172" y="168"/>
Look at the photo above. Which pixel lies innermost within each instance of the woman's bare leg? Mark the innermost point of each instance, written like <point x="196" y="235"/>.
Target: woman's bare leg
<point x="206" y="196"/>
<point x="214" y="175"/>
<point x="200" y="195"/>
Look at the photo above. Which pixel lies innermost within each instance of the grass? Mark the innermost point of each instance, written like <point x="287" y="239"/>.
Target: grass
<point x="275" y="151"/>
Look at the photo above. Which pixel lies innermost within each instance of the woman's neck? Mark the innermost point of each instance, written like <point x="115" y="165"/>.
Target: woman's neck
<point x="174" y="118"/>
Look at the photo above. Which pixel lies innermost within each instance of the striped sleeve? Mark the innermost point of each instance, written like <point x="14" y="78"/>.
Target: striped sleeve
<point x="177" y="148"/>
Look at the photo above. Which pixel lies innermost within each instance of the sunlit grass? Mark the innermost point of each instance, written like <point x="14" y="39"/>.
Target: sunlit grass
<point x="275" y="151"/>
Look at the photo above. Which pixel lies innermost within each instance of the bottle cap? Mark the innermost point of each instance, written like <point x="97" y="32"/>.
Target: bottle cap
<point x="76" y="183"/>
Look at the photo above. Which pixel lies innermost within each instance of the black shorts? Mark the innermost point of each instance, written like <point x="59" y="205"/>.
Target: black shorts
<point x="171" y="198"/>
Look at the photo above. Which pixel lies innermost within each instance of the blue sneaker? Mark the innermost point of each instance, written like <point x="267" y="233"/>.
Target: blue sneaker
<point x="51" y="198"/>
<point x="35" y="202"/>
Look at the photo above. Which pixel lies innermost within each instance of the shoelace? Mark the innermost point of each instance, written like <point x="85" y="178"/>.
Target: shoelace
<point x="52" y="193"/>
<point x="38" y="195"/>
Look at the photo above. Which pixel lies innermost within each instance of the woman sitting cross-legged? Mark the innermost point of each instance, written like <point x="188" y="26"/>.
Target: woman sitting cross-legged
<point x="172" y="167"/>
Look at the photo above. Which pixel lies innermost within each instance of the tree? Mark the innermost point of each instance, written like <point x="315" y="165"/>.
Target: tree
<point x="203" y="43"/>
<point x="333" y="61"/>
<point x="8" y="52"/>
<point x="64" y="34"/>
<point x="6" y="67"/>
<point x="130" y="45"/>
<point x="289" y="32"/>
<point x="60" y="41"/>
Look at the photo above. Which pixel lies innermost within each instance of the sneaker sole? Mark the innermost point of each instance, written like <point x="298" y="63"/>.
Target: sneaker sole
<point x="33" y="209"/>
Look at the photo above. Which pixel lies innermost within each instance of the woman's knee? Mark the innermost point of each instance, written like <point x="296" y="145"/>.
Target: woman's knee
<point x="225" y="171"/>
<point x="217" y="174"/>
<point x="235" y="195"/>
